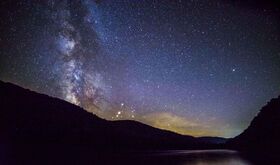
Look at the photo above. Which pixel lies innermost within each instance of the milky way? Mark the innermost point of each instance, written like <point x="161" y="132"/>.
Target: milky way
<point x="80" y="83"/>
<point x="202" y="68"/>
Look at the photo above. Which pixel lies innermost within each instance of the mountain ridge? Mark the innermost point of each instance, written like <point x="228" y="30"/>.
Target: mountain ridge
<point x="33" y="125"/>
<point x="262" y="135"/>
<point x="26" y="113"/>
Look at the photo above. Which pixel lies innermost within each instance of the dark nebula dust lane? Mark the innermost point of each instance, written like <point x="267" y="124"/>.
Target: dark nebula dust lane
<point x="201" y="68"/>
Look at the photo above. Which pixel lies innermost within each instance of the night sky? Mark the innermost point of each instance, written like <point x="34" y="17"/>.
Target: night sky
<point x="202" y="68"/>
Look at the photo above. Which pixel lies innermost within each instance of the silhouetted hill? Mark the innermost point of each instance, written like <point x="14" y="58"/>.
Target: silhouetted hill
<point x="263" y="134"/>
<point x="213" y="140"/>
<point x="38" y="124"/>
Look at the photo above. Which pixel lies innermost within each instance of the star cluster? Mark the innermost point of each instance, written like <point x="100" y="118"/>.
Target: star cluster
<point x="202" y="68"/>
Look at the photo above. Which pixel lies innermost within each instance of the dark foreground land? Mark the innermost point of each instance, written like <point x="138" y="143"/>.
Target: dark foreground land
<point x="38" y="129"/>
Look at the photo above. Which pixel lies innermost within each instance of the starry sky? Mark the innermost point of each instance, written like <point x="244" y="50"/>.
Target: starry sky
<point x="196" y="67"/>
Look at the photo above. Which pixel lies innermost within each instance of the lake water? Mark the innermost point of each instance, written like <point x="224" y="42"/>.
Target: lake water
<point x="188" y="157"/>
<point x="173" y="157"/>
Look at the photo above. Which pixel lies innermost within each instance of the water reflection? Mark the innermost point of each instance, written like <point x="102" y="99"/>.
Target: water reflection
<point x="197" y="157"/>
<point x="84" y="157"/>
<point x="215" y="158"/>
